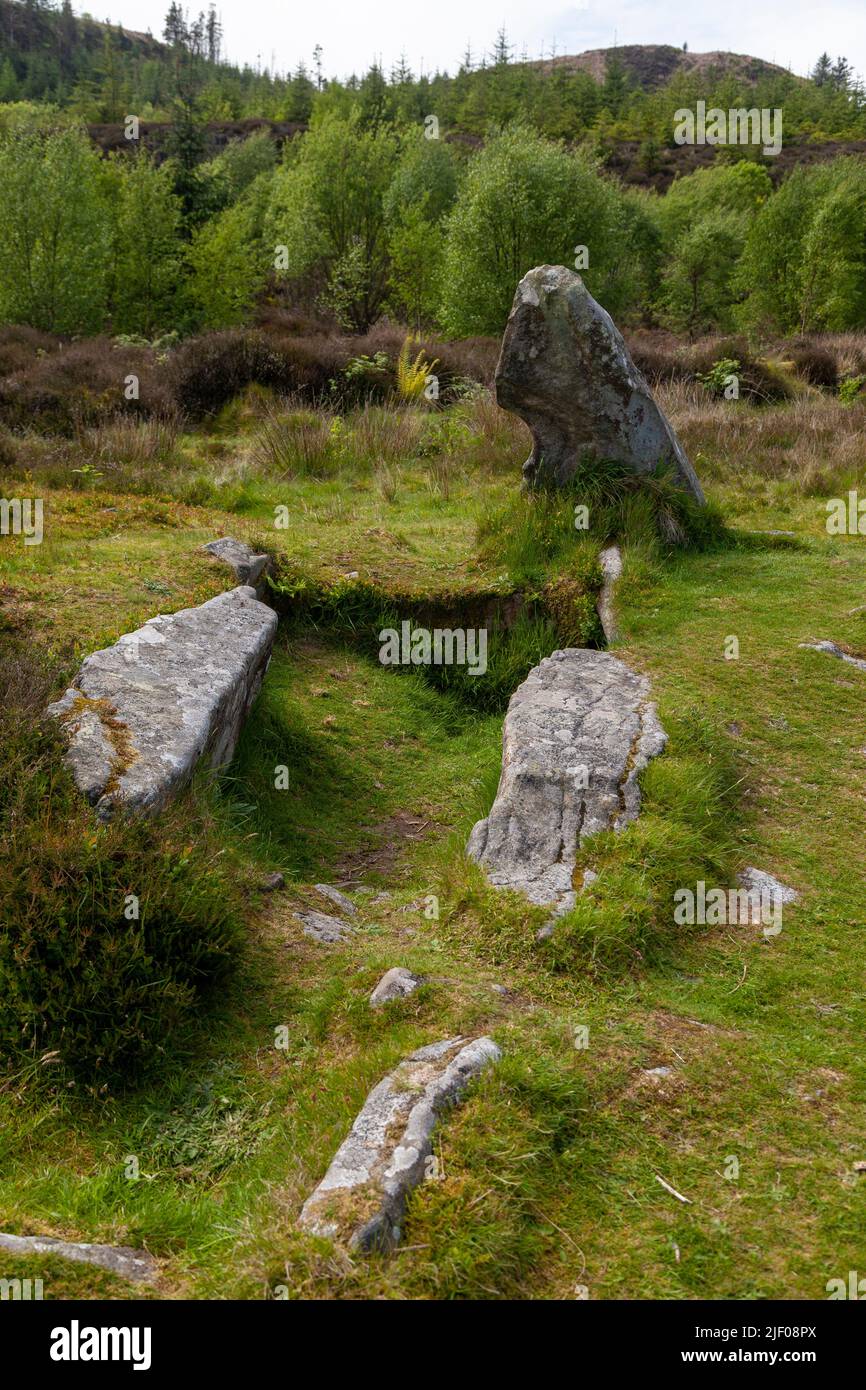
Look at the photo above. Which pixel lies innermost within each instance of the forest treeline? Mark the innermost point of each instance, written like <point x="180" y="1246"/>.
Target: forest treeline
<point x="377" y="210"/>
<point x="102" y="73"/>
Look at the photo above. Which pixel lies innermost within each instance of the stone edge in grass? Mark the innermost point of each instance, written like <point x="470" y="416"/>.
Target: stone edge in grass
<point x="135" y="1265"/>
<point x="361" y="1199"/>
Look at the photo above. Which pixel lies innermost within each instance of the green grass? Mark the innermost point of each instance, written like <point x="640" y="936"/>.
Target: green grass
<point x="550" y="1168"/>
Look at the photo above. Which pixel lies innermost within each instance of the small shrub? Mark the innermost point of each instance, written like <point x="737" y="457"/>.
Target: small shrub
<point x="758" y="381"/>
<point x="718" y="378"/>
<point x="207" y="372"/>
<point x="21" y="346"/>
<point x="850" y="389"/>
<point x="81" y="385"/>
<point x="816" y="364"/>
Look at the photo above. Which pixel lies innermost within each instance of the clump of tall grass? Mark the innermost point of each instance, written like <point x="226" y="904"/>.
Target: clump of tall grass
<point x="538" y="530"/>
<point x="297" y="444"/>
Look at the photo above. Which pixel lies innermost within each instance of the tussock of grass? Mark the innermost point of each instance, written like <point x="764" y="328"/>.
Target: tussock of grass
<point x="539" y="530"/>
<point x="686" y="831"/>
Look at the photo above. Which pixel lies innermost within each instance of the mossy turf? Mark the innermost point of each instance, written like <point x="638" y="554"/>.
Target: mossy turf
<point x="726" y="1063"/>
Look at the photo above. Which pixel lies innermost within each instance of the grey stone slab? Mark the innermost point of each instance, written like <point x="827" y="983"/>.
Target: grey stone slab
<point x="136" y="1265"/>
<point x="361" y="1199"/>
<point x="577" y="733"/>
<point x="142" y="713"/>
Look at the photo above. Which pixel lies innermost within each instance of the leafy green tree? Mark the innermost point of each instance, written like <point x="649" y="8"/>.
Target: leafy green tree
<point x="417" y="262"/>
<point x="148" y="251"/>
<point x="54" y="229"/>
<point x="327" y="210"/>
<point x="228" y="261"/>
<point x="241" y="162"/>
<point x="426" y="174"/>
<point x="804" y="262"/>
<point x="697" y="293"/>
<point x="708" y="213"/>
<point x="833" y="260"/>
<point x="525" y="202"/>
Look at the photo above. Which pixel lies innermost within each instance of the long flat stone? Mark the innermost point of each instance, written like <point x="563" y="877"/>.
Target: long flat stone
<point x="577" y="733"/>
<point x="142" y="713"/>
<point x="136" y="1265"/>
<point x="361" y="1199"/>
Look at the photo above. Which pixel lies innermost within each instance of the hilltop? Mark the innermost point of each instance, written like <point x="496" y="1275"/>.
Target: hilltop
<point x="650" y="65"/>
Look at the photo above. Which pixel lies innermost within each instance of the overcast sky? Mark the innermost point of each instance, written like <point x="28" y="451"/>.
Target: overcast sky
<point x="354" y="32"/>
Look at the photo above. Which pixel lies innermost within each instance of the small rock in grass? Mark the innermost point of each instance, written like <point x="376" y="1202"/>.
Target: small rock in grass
<point x="397" y="983"/>
<point x="832" y="649"/>
<point x="337" y="898"/>
<point x="241" y="558"/>
<point x="323" y="928"/>
<point x="273" y="882"/>
<point x="759" y="881"/>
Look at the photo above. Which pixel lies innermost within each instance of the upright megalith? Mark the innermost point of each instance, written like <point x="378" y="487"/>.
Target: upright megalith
<point x="142" y="713"/>
<point x="566" y="371"/>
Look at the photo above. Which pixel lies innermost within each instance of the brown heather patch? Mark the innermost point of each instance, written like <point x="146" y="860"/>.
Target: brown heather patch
<point x="815" y="442"/>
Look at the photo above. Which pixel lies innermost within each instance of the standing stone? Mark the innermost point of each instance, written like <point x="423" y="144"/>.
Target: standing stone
<point x="566" y="371"/>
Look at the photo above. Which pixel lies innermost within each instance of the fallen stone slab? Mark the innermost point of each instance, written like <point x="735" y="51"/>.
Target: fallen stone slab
<point x="397" y="983"/>
<point x="565" y="370"/>
<point x="610" y="560"/>
<point x="577" y="733"/>
<point x="143" y="713"/>
<point x="361" y="1199"/>
<point x="833" y="650"/>
<point x="247" y="566"/>
<point x="323" y="928"/>
<point x="337" y="898"/>
<point x="136" y="1265"/>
